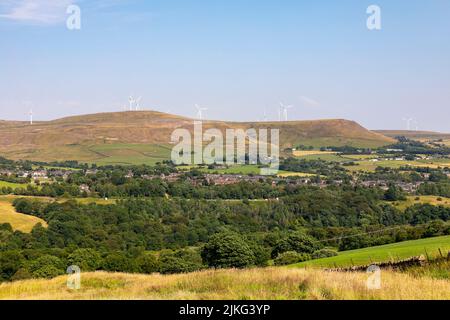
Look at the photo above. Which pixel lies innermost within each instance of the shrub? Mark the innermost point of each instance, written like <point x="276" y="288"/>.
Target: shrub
<point x="22" y="274"/>
<point x="181" y="261"/>
<point x="323" y="253"/>
<point x="47" y="271"/>
<point x="297" y="242"/>
<point x="291" y="257"/>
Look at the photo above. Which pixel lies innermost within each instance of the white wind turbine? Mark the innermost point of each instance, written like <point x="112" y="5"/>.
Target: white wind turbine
<point x="30" y="113"/>
<point x="283" y="110"/>
<point x="138" y="103"/>
<point x="200" y="111"/>
<point x="416" y="125"/>
<point x="408" y="123"/>
<point x="131" y="101"/>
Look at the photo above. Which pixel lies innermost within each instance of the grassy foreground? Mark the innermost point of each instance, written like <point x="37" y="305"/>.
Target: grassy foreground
<point x="267" y="283"/>
<point x="394" y="251"/>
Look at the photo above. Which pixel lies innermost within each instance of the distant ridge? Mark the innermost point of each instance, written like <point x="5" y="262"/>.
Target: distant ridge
<point x="80" y="137"/>
<point x="414" y="134"/>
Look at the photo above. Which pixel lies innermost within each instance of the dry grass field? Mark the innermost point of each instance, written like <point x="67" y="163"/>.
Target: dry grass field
<point x="265" y="284"/>
<point x="412" y="200"/>
<point x="18" y="221"/>
<point x="303" y="153"/>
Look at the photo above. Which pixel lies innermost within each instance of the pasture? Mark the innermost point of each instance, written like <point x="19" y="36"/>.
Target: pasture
<point x="385" y="253"/>
<point x="12" y="185"/>
<point x="129" y="154"/>
<point x="370" y="166"/>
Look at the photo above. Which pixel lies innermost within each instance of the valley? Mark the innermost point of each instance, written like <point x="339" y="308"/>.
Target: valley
<point x="105" y="197"/>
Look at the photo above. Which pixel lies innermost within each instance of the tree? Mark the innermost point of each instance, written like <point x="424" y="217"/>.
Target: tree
<point x="262" y="255"/>
<point x="228" y="250"/>
<point x="118" y="262"/>
<point x="86" y="259"/>
<point x="47" y="266"/>
<point x="147" y="263"/>
<point x="298" y="242"/>
<point x="180" y="261"/>
<point x="10" y="263"/>
<point x="394" y="193"/>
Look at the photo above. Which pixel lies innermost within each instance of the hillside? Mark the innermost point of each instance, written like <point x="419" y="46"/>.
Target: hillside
<point x="418" y="135"/>
<point x="143" y="136"/>
<point x="384" y="253"/>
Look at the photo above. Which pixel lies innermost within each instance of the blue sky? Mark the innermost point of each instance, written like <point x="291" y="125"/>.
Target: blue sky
<point x="235" y="57"/>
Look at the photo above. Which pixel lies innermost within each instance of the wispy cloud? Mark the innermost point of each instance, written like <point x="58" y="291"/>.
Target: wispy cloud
<point x="309" y="101"/>
<point x="46" y="12"/>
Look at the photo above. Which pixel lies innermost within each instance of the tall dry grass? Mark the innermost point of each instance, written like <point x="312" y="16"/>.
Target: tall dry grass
<point x="268" y="283"/>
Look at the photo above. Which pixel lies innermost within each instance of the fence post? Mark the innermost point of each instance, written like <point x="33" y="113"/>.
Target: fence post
<point x="448" y="256"/>
<point x="440" y="252"/>
<point x="426" y="253"/>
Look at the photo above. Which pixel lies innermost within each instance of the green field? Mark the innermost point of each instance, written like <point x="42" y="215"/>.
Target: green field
<point x="339" y="142"/>
<point x="394" y="251"/>
<point x="246" y="170"/>
<point x="12" y="185"/>
<point x="56" y="168"/>
<point x="100" y="201"/>
<point x="326" y="157"/>
<point x="129" y="154"/>
<point x="237" y="169"/>
<point x="360" y="156"/>
<point x="367" y="165"/>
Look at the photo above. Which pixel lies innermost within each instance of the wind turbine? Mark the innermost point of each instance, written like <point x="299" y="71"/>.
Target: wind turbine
<point x="265" y="115"/>
<point x="408" y="123"/>
<point x="131" y="101"/>
<point x="138" y="103"/>
<point x="284" y="111"/>
<point x="200" y="111"/>
<point x="30" y="113"/>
